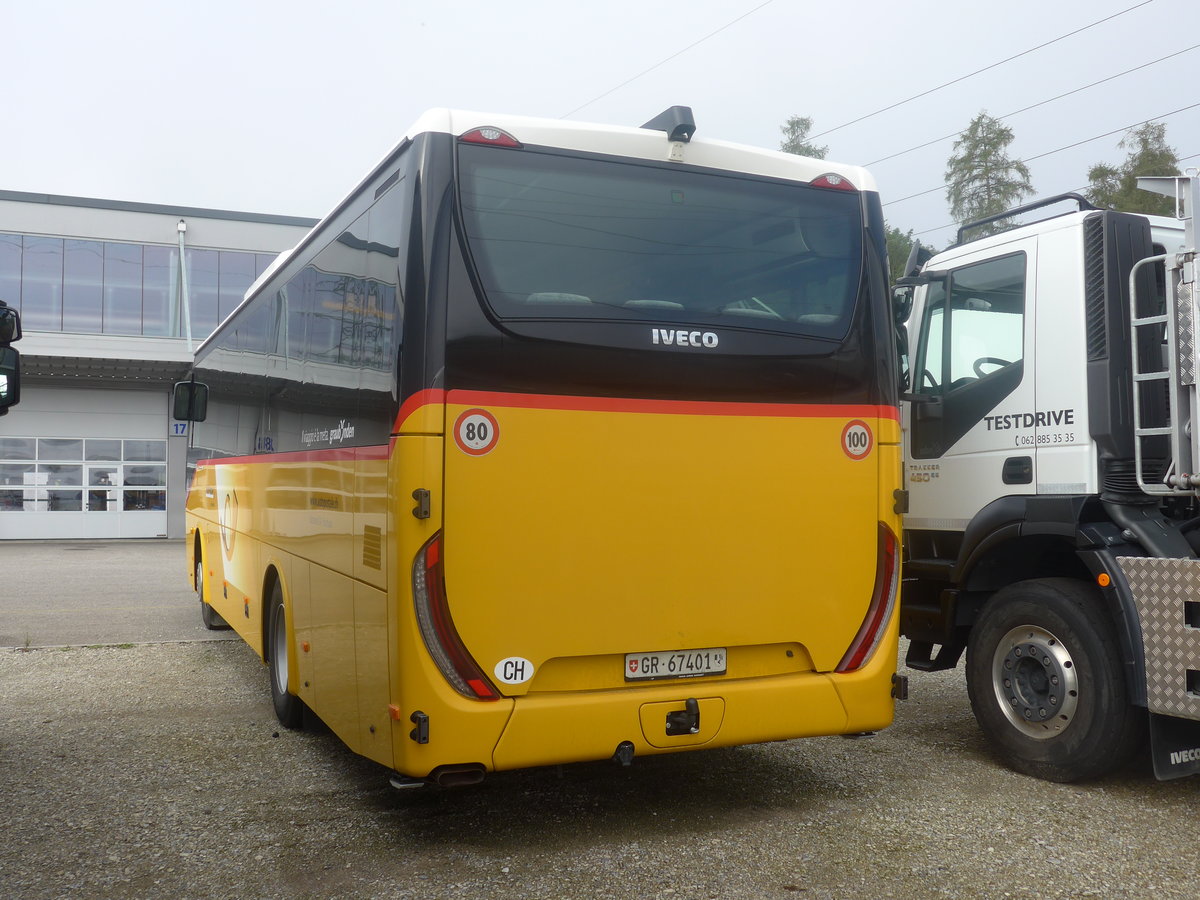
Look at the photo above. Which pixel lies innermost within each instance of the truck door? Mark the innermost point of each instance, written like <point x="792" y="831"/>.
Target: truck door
<point x="972" y="388"/>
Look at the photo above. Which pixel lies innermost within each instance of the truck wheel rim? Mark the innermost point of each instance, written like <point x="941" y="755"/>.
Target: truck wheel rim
<point x="1036" y="682"/>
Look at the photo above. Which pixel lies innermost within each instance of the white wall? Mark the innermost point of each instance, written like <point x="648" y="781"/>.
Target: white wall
<point x="47" y="411"/>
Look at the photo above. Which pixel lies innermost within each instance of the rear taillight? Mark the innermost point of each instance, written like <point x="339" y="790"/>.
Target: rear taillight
<point x="489" y="135"/>
<point x="883" y="601"/>
<point x="437" y="628"/>
<point x="833" y="182"/>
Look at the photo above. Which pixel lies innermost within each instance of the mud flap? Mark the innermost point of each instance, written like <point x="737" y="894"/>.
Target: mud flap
<point x="1174" y="746"/>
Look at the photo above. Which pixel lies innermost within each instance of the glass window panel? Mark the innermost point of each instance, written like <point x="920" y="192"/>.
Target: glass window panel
<point x="145" y="476"/>
<point x="158" y="291"/>
<point x="261" y="261"/>
<point x="122" y="289"/>
<point x="60" y="448"/>
<point x="10" y="270"/>
<point x="203" y="274"/>
<point x="235" y="277"/>
<point x="102" y="450"/>
<point x="18" y="448"/>
<point x="41" y="284"/>
<point x="150" y="451"/>
<point x="61" y="474"/>
<point x="103" y="475"/>
<point x="557" y="236"/>
<point x="65" y="501"/>
<point x="12" y="501"/>
<point x="987" y="303"/>
<point x="102" y="500"/>
<point x="298" y="300"/>
<point x="325" y="326"/>
<point x="83" y="286"/>
<point x="135" y="500"/>
<point x="14" y="473"/>
<point x="255" y="325"/>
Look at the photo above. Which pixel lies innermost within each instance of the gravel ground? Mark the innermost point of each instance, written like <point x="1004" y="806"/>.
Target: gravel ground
<point x="158" y="770"/>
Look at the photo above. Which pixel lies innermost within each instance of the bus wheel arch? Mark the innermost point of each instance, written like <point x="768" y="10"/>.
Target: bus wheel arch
<point x="1046" y="683"/>
<point x="211" y="619"/>
<point x="277" y="653"/>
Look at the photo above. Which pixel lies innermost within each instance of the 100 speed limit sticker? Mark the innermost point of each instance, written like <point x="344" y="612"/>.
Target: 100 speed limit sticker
<point x="476" y="432"/>
<point x="857" y="439"/>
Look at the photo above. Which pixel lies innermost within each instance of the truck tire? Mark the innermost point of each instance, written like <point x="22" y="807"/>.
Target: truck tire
<point x="289" y="708"/>
<point x="1046" y="682"/>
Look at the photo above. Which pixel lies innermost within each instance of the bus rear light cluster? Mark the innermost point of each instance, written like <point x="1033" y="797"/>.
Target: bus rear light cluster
<point x="489" y="135"/>
<point x="437" y="628"/>
<point x="833" y="182"/>
<point x="883" y="601"/>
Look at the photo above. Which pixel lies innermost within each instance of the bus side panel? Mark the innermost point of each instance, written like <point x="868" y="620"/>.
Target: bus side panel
<point x="220" y="502"/>
<point x="461" y="731"/>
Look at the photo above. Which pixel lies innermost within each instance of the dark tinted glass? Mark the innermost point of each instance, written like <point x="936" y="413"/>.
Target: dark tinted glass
<point x="10" y="270"/>
<point x="236" y="272"/>
<point x="41" y="284"/>
<point x="83" y="286"/>
<point x="158" y="291"/>
<point x="122" y="288"/>
<point x="203" y="272"/>
<point x="557" y="236"/>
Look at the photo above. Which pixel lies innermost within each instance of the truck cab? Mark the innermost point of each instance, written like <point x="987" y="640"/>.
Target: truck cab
<point x="1039" y="422"/>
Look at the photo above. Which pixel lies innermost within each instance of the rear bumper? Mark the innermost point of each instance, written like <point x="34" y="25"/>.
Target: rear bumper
<point x="556" y="728"/>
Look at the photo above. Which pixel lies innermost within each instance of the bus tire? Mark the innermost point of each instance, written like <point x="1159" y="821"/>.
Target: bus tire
<point x="210" y="617"/>
<point x="289" y="708"/>
<point x="1046" y="683"/>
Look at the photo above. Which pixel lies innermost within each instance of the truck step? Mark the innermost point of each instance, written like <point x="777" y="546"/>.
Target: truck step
<point x="921" y="657"/>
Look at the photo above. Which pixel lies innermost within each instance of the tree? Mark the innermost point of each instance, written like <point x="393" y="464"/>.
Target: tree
<point x="899" y="245"/>
<point x="795" y="138"/>
<point x="981" y="178"/>
<point x="1147" y="154"/>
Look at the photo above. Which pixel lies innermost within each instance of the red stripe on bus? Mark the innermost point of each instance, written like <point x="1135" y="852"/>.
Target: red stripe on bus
<point x="415" y="402"/>
<point x="673" y="407"/>
<point x="336" y="454"/>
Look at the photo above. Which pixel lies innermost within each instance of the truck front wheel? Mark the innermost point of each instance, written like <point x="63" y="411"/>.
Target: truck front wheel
<point x="1046" y="683"/>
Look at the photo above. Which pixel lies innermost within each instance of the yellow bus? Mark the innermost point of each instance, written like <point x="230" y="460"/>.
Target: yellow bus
<point x="558" y="442"/>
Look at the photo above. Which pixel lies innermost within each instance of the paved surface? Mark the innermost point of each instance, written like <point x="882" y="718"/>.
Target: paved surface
<point x="157" y="770"/>
<point x="83" y="593"/>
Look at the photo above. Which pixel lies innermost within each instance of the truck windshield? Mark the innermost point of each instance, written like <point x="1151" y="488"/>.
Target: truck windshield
<point x="556" y="236"/>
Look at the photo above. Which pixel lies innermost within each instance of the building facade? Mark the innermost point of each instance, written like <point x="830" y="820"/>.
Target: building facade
<point x="114" y="297"/>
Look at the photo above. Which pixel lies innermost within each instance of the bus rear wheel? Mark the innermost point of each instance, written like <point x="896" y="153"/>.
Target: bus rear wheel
<point x="210" y="617"/>
<point x="289" y="708"/>
<point x="1046" y="682"/>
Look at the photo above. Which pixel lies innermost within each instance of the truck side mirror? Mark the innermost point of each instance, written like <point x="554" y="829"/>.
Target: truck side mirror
<point x="10" y="378"/>
<point x="190" y="401"/>
<point x="10" y="324"/>
<point x="902" y="302"/>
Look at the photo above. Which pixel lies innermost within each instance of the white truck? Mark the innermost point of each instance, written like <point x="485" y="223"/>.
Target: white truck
<point x="1052" y="525"/>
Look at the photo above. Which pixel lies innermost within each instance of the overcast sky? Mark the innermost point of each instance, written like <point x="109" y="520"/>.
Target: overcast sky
<point x="280" y="107"/>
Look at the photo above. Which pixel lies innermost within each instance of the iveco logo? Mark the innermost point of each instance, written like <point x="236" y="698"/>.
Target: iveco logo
<point x="673" y="338"/>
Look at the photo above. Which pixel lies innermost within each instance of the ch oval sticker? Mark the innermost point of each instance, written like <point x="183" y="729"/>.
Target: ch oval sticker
<point x="513" y="670"/>
<point x="857" y="439"/>
<point x="476" y="432"/>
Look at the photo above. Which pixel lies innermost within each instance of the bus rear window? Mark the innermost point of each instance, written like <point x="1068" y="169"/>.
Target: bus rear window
<point x="555" y="236"/>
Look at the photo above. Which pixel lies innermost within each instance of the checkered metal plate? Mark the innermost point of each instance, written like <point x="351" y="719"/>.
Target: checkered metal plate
<point x="1160" y="589"/>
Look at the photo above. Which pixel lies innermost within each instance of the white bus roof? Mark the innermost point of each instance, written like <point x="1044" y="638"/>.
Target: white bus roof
<point x="613" y="140"/>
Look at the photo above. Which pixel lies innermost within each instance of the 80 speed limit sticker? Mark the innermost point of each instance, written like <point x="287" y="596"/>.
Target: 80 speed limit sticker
<point x="476" y="431"/>
<point x="857" y="439"/>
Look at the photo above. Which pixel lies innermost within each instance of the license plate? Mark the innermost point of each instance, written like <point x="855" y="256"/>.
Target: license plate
<point x="674" y="664"/>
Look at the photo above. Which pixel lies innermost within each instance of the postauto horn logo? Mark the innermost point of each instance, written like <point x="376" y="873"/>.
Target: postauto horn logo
<point x="227" y="521"/>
